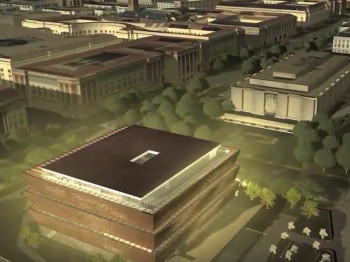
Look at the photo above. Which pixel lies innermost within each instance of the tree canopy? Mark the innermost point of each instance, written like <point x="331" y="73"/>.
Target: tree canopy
<point x="213" y="108"/>
<point x="132" y="116"/>
<point x="155" y="120"/>
<point x="325" y="159"/>
<point x="253" y="190"/>
<point x="116" y="105"/>
<point x="309" y="208"/>
<point x="166" y="107"/>
<point x="267" y="197"/>
<point x="304" y="152"/>
<point x="170" y="119"/>
<point x="293" y="196"/>
<point x="218" y="65"/>
<point x="182" y="128"/>
<point x="171" y="94"/>
<point x="330" y="142"/>
<point x="343" y="156"/>
<point x="203" y="132"/>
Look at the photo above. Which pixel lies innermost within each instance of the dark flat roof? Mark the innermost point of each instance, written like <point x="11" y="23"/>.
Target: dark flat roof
<point x="107" y="162"/>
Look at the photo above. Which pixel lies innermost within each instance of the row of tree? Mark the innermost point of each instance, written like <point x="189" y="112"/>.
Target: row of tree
<point x="317" y="42"/>
<point x="293" y="197"/>
<point x="318" y="142"/>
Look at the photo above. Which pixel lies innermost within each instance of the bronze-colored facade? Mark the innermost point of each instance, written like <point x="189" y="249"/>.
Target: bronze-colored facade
<point x="140" y="235"/>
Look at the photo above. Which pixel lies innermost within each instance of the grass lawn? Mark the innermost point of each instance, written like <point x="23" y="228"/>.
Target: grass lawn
<point x="12" y="212"/>
<point x="53" y="251"/>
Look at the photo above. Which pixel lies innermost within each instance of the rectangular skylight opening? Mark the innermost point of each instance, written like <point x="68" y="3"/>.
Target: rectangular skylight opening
<point x="144" y="157"/>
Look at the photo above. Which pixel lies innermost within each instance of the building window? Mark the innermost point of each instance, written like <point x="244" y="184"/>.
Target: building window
<point x="270" y="104"/>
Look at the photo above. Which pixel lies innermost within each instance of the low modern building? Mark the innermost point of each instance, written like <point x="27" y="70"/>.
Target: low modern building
<point x="13" y="117"/>
<point x="294" y="89"/>
<point x="341" y="42"/>
<point x="307" y="13"/>
<point x="77" y="85"/>
<point x="20" y="46"/>
<point x="261" y="29"/>
<point x="136" y="191"/>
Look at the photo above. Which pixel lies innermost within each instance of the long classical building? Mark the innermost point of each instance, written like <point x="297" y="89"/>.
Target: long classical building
<point x="77" y="85"/>
<point x="213" y="40"/>
<point x="308" y="14"/>
<point x="261" y="29"/>
<point x="20" y="46"/>
<point x="135" y="191"/>
<point x="294" y="89"/>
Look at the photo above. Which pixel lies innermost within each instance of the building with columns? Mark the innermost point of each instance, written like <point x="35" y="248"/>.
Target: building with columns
<point x="294" y="89"/>
<point x="213" y="41"/>
<point x="135" y="191"/>
<point x="13" y="116"/>
<point x="261" y="29"/>
<point x="308" y="14"/>
<point x="20" y="46"/>
<point x="77" y="85"/>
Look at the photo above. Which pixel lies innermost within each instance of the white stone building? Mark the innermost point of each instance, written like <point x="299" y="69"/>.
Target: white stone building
<point x="294" y="89"/>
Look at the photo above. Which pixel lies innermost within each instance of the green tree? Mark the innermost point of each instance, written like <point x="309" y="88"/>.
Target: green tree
<point x="308" y="188"/>
<point x="325" y="159"/>
<point x="33" y="240"/>
<point x="213" y="108"/>
<point x="132" y="116"/>
<point x="307" y="45"/>
<point x="300" y="128"/>
<point x="170" y="94"/>
<point x="252" y="190"/>
<point x="320" y="118"/>
<point x="98" y="258"/>
<point x="53" y="130"/>
<point x="245" y="53"/>
<point x="182" y="128"/>
<point x="155" y="120"/>
<point x="346" y="138"/>
<point x="72" y="140"/>
<point x="37" y="156"/>
<point x="267" y="197"/>
<point x="195" y="85"/>
<point x="25" y="232"/>
<point x="293" y="196"/>
<point x="218" y="65"/>
<point x="327" y="126"/>
<point x="157" y="100"/>
<point x="170" y="119"/>
<point x="249" y="66"/>
<point x="330" y="142"/>
<point x="263" y="63"/>
<point x="203" y="132"/>
<point x="319" y="42"/>
<point x="187" y="105"/>
<point x="276" y="49"/>
<point x="166" y="107"/>
<point x="116" y="105"/>
<point x="304" y="152"/>
<point x="309" y="208"/>
<point x="343" y="156"/>
<point x="191" y="120"/>
<point x="147" y="107"/>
